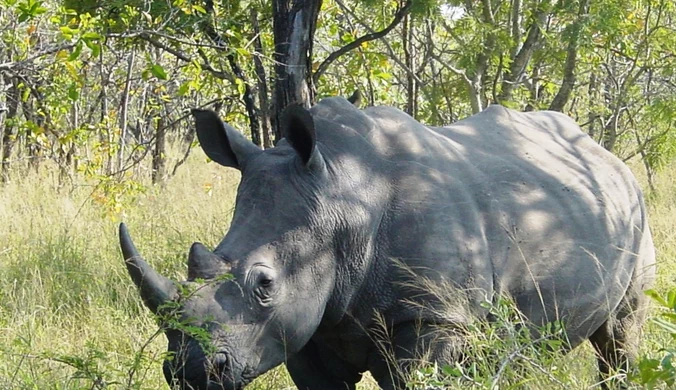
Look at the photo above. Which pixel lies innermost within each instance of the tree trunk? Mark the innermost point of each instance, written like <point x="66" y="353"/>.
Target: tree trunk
<point x="568" y="81"/>
<point x="32" y="143"/>
<point x="159" y="151"/>
<point x="8" y="135"/>
<point x="294" y="27"/>
<point x="534" y="87"/>
<point x="67" y="152"/>
<point x="610" y="132"/>
<point x="407" y="35"/>
<point x="105" y="137"/>
<point x="124" y="103"/>
<point x="263" y="101"/>
<point x="521" y="57"/>
<point x="593" y="95"/>
<point x="478" y="75"/>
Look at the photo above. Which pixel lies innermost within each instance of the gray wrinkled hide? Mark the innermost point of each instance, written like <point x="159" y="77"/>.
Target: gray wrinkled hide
<point x="502" y="202"/>
<point x="391" y="228"/>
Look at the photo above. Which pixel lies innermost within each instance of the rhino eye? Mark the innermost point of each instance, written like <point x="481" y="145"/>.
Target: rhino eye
<point x="265" y="282"/>
<point x="264" y="290"/>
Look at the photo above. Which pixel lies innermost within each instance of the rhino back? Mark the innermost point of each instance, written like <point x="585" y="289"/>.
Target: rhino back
<point x="502" y="202"/>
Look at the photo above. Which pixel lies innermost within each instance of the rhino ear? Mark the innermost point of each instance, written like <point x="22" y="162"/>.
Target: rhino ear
<point x="221" y="142"/>
<point x="355" y="98"/>
<point x="299" y="130"/>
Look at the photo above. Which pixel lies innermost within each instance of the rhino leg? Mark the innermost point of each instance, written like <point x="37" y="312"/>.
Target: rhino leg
<point x="616" y="341"/>
<point x="413" y="344"/>
<point x="315" y="368"/>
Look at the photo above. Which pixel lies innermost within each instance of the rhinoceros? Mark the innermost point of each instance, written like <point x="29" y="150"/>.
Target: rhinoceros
<point x="343" y="231"/>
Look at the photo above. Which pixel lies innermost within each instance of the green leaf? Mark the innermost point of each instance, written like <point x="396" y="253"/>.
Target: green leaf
<point x="158" y="71"/>
<point x="671" y="299"/>
<point x="241" y="88"/>
<point x="91" y="35"/>
<point x="184" y="89"/>
<point x="656" y="297"/>
<point x="242" y="51"/>
<point x="25" y="94"/>
<point x="666" y="325"/>
<point x="93" y="46"/>
<point x="347" y="37"/>
<point x="67" y="31"/>
<point x="96" y="50"/>
<point x="73" y="93"/>
<point x="76" y="52"/>
<point x="452" y="371"/>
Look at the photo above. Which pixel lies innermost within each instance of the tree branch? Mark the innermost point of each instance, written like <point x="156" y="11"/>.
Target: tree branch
<point x="249" y="101"/>
<point x="182" y="56"/>
<point x="390" y="50"/>
<point x="521" y="57"/>
<point x="453" y="69"/>
<point x="398" y="17"/>
<point x="52" y="50"/>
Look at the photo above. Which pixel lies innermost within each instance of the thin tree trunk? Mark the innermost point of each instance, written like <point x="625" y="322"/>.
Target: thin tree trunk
<point x="521" y="57"/>
<point x="568" y="81"/>
<point x="104" y="137"/>
<point x="124" y="102"/>
<point x="294" y="25"/>
<point x="477" y="79"/>
<point x="263" y="101"/>
<point x="66" y="158"/>
<point x="516" y="27"/>
<point x="534" y="88"/>
<point x="408" y="60"/>
<point x="223" y="44"/>
<point x="159" y="152"/>
<point x="8" y="136"/>
<point x="644" y="159"/>
<point x="610" y="133"/>
<point x="592" y="96"/>
<point x="32" y="142"/>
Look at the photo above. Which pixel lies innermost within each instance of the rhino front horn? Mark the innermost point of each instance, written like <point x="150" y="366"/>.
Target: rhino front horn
<point x="155" y="289"/>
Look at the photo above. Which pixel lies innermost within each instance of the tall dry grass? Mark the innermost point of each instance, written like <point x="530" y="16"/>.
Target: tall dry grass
<point x="71" y="319"/>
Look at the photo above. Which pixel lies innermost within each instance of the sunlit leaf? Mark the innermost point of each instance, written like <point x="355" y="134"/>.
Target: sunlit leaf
<point x="76" y="52"/>
<point x="158" y="71"/>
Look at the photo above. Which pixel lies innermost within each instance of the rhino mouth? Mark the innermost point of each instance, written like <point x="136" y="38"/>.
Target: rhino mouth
<point x="218" y="384"/>
<point x="227" y="382"/>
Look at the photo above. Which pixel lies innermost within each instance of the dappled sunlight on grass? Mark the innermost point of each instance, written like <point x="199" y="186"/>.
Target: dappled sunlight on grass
<point x="67" y="306"/>
<point x="70" y="317"/>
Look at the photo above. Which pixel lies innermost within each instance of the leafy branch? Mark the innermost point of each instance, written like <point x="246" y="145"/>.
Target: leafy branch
<point x="398" y="17"/>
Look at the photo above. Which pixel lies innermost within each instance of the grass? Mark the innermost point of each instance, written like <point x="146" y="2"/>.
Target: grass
<point x="71" y="319"/>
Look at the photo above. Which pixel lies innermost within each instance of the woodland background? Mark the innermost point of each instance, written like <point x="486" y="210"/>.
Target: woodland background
<point x="95" y="128"/>
<point x="98" y="87"/>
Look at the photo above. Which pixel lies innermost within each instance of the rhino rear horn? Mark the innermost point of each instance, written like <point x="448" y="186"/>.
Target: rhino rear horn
<point x="204" y="264"/>
<point x="154" y="288"/>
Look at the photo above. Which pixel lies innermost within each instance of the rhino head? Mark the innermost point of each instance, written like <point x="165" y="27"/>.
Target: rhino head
<point x="278" y="252"/>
